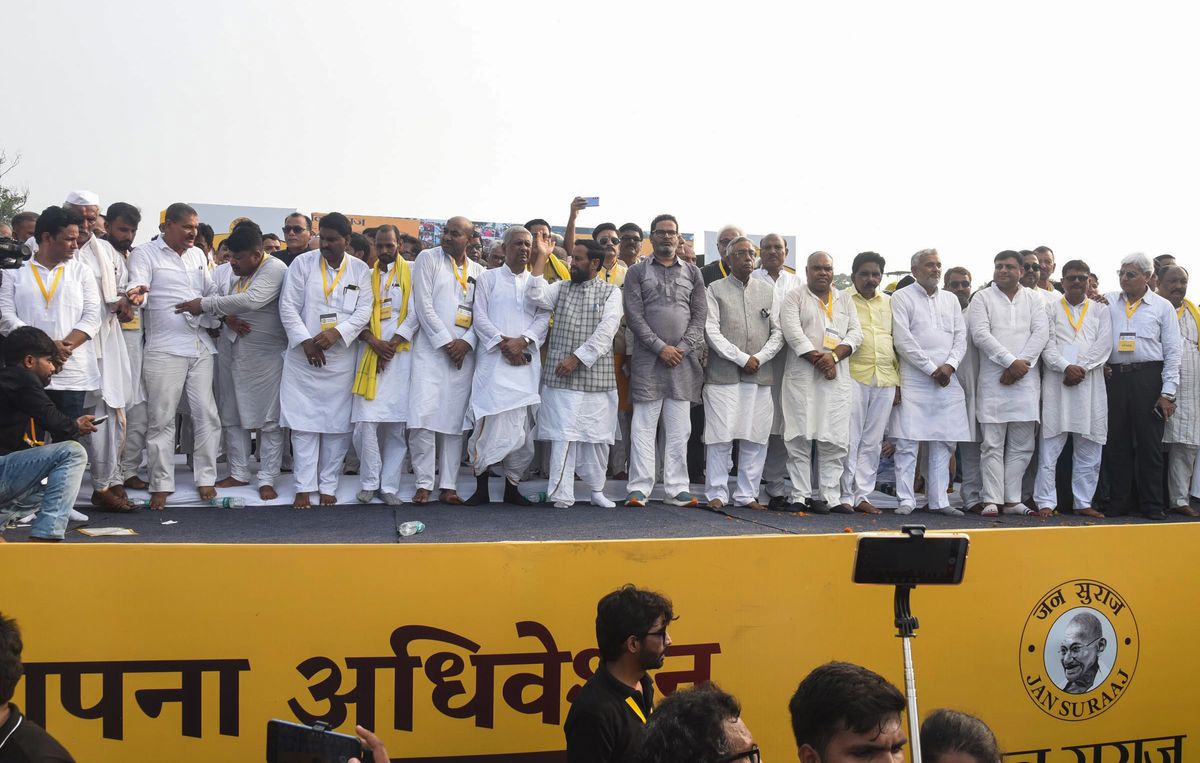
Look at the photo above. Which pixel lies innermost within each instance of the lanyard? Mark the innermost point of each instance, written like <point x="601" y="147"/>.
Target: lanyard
<point x="462" y="279"/>
<point x="724" y="272"/>
<point x="48" y="296"/>
<point x="244" y="283"/>
<point x="1082" y="314"/>
<point x="329" y="287"/>
<point x="1131" y="309"/>
<point x="634" y="705"/>
<point x="828" y="306"/>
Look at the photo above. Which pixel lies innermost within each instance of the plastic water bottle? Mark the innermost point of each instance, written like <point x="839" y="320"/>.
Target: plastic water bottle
<point x="411" y="528"/>
<point x="228" y="503"/>
<point x="537" y="497"/>
<point x="142" y="503"/>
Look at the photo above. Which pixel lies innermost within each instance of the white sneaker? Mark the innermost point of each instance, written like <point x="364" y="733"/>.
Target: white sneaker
<point x="904" y="510"/>
<point x="391" y="499"/>
<point x="561" y="505"/>
<point x="990" y="510"/>
<point x="1018" y="509"/>
<point x="949" y="511"/>
<point x="601" y="500"/>
<point x="27" y="519"/>
<point x="365" y="496"/>
<point x="77" y="516"/>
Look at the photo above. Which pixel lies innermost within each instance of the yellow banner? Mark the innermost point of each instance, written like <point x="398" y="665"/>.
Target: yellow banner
<point x="185" y="652"/>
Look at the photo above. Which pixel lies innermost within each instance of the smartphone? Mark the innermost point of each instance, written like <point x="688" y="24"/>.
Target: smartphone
<point x="1158" y="414"/>
<point x="297" y="743"/>
<point x="903" y="559"/>
<point x="591" y="201"/>
<point x="100" y="420"/>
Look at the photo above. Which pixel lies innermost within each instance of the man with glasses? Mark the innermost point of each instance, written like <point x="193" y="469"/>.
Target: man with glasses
<point x="1182" y="432"/>
<point x="704" y="724"/>
<point x="608" y="716"/>
<point x="715" y="271"/>
<point x="773" y="253"/>
<point x="631" y="243"/>
<point x="665" y="309"/>
<point x="1082" y="644"/>
<point x="297" y="233"/>
<point x="1143" y="377"/>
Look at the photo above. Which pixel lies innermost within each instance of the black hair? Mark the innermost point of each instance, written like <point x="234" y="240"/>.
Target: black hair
<point x="537" y="221"/>
<point x="10" y="651"/>
<point x="246" y="235"/>
<point x="595" y="252"/>
<point x="307" y="219"/>
<point x="271" y="236"/>
<point x="863" y="258"/>
<point x="389" y="227"/>
<point x="1009" y="254"/>
<point x="1043" y="249"/>
<point x="628" y="611"/>
<point x="205" y="231"/>
<point x="689" y="727"/>
<point x="28" y="340"/>
<point x="957" y="269"/>
<point x="907" y="280"/>
<point x="1078" y="265"/>
<point x="119" y="210"/>
<point x="53" y="219"/>
<point x="841" y="695"/>
<point x="654" y="223"/>
<point x="603" y="227"/>
<point x="370" y="232"/>
<point x="337" y="222"/>
<point x="949" y="731"/>
<point x="178" y="211"/>
<point x="632" y="226"/>
<point x="360" y="243"/>
<point x="21" y="217"/>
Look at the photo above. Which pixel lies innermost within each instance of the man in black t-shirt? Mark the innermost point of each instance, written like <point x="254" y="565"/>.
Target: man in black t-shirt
<point x="21" y="740"/>
<point x="608" y="716"/>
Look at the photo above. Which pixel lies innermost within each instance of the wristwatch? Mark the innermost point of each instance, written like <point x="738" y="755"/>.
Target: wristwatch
<point x="1167" y="396"/>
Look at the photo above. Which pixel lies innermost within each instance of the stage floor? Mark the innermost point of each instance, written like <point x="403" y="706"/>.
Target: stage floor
<point x="186" y="521"/>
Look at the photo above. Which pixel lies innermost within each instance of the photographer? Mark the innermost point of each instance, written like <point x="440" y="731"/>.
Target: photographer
<point x="26" y="415"/>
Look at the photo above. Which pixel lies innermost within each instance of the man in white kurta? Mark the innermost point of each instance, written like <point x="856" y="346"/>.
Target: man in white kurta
<point x="1074" y="396"/>
<point x="1009" y="325"/>
<point x="178" y="354"/>
<point x="1182" y="431"/>
<point x="509" y="333"/>
<point x="381" y="387"/>
<point x="958" y="282"/>
<point x="820" y="326"/>
<point x="444" y="283"/>
<point x="250" y="357"/>
<point x="324" y="304"/>
<point x="578" y="412"/>
<point x="773" y="253"/>
<point x="744" y="337"/>
<point x="931" y="339"/>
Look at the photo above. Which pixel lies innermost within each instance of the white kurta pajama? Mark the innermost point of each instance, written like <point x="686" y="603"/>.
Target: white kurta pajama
<point x="315" y="402"/>
<point x="250" y="368"/>
<point x="579" y="424"/>
<point x="929" y="332"/>
<point x="439" y="392"/>
<point x="1079" y="412"/>
<point x="816" y="408"/>
<point x="968" y="377"/>
<point x="1004" y="330"/>
<point x="380" y="429"/>
<point x="775" y="467"/>
<point x="1182" y="431"/>
<point x="504" y="397"/>
<point x="133" y="449"/>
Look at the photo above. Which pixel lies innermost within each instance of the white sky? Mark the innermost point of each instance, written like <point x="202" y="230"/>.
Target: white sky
<point x="886" y="126"/>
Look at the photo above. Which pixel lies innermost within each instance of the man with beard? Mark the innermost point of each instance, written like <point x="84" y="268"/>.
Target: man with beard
<point x="250" y="350"/>
<point x="607" y="720"/>
<point x="1182" y="431"/>
<point x="324" y="304"/>
<point x="579" y="386"/>
<point x="178" y="358"/>
<point x="1082" y="644"/>
<point x="297" y="234"/>
<point x="443" y="362"/>
<point x="773" y="253"/>
<point x="820" y="325"/>
<point x="509" y="333"/>
<point x="384" y="372"/>
<point x="1045" y="257"/>
<point x="845" y="713"/>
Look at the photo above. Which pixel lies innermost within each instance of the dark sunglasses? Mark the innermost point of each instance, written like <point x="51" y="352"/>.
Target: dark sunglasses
<point x="635" y="239"/>
<point x="607" y="240"/>
<point x="293" y="228"/>
<point x="1032" y="266"/>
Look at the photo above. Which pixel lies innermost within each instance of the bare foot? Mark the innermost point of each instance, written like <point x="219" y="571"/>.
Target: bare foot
<point x="118" y="491"/>
<point x="107" y="500"/>
<point x="231" y="482"/>
<point x="301" y="501"/>
<point x="328" y="500"/>
<point x="158" y="501"/>
<point x="207" y="492"/>
<point x="866" y="507"/>
<point x="267" y="493"/>
<point x="136" y="483"/>
<point x="451" y="497"/>
<point x="421" y="496"/>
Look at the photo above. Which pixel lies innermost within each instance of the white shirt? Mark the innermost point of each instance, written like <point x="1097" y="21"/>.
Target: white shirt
<point x="1006" y="329"/>
<point x="1156" y="328"/>
<point x="1082" y="409"/>
<point x="929" y="332"/>
<point x="501" y="310"/>
<point x="75" y="304"/>
<point x="172" y="278"/>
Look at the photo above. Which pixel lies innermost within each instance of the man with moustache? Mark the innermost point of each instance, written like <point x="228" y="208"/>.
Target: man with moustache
<point x="957" y="281"/>
<point x="821" y="328"/>
<point x="443" y="362"/>
<point x="251" y="351"/>
<point x="297" y="237"/>
<point x="714" y="271"/>
<point x="1083" y="644"/>
<point x="23" y="224"/>
<point x="380" y="411"/>
<point x="324" y="304"/>
<point x="1182" y="431"/>
<point x="509" y="332"/>
<point x="1045" y="257"/>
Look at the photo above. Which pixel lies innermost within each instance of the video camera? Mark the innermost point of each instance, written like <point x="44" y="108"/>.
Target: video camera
<point x="13" y="253"/>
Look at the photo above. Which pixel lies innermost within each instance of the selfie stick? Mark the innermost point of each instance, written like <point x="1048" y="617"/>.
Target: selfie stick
<point x="906" y="627"/>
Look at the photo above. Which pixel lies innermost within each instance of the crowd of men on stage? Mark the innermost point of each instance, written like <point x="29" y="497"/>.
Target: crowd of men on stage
<point x="612" y="360"/>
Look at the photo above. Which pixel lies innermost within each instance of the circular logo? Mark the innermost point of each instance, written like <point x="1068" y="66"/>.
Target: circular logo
<point x="1079" y="650"/>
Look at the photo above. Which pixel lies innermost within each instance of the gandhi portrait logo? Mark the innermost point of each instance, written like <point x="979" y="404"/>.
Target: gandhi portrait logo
<point x="1079" y="650"/>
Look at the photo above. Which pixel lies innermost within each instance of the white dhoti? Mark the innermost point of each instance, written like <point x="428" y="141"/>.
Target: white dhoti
<point x="870" y="409"/>
<point x="1004" y="455"/>
<point x="1181" y="465"/>
<point x="317" y="459"/>
<point x="570" y="458"/>
<point x="167" y="378"/>
<point x="104" y="446"/>
<point x="504" y="438"/>
<point x="580" y="427"/>
<point x="676" y="418"/>
<point x="1085" y="470"/>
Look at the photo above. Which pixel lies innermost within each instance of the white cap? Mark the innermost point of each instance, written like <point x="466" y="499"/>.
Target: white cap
<point x="83" y="198"/>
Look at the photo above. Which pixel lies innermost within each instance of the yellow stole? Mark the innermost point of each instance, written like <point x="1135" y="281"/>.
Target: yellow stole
<point x="368" y="366"/>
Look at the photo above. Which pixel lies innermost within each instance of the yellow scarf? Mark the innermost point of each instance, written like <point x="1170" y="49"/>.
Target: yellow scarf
<point x="560" y="270"/>
<point x="368" y="366"/>
<point x="1191" y="308"/>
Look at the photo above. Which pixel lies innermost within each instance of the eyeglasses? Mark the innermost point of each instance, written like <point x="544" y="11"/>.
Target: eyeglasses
<point x="958" y="284"/>
<point x="634" y="239"/>
<point x="725" y="241"/>
<point x="1075" y="649"/>
<point x="660" y="633"/>
<point x="1032" y="266"/>
<point x="751" y="755"/>
<point x="664" y="233"/>
<point x="1128" y="273"/>
<point x="293" y="228"/>
<point x="608" y="240"/>
<point x="1080" y="277"/>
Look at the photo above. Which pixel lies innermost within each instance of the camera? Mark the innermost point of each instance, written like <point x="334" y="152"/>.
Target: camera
<point x="13" y="253"/>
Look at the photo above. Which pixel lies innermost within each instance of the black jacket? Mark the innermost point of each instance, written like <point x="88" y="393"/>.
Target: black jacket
<point x="23" y="741"/>
<point x="602" y="726"/>
<point x="27" y="414"/>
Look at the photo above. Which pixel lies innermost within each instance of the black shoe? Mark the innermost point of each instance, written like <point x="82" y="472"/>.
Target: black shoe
<point x="1156" y="515"/>
<point x="841" y="508"/>
<point x="480" y="496"/>
<point x="795" y="507"/>
<point x="778" y="503"/>
<point x="818" y="507"/>
<point x="513" y="495"/>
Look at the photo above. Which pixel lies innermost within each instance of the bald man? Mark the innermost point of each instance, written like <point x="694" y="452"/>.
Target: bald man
<point x="1082" y="644"/>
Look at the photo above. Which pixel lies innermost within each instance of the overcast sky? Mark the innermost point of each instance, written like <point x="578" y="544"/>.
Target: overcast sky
<point x="855" y="126"/>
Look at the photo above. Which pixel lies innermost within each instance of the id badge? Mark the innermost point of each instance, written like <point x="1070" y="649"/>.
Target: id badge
<point x="385" y="309"/>
<point x="135" y="324"/>
<point x="832" y="339"/>
<point x="349" y="300"/>
<point x="463" y="317"/>
<point x="328" y="321"/>
<point x="1126" y="341"/>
